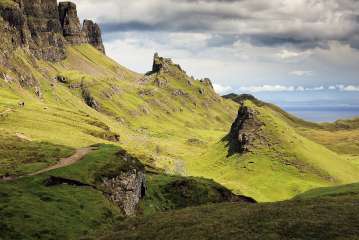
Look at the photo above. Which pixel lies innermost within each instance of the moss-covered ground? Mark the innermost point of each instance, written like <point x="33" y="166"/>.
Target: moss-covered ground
<point x="317" y="218"/>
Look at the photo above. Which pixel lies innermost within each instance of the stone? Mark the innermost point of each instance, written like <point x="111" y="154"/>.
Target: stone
<point x="89" y="99"/>
<point x="207" y="81"/>
<point x="62" y="79"/>
<point x="70" y="23"/>
<point x="45" y="28"/>
<point x="93" y="35"/>
<point x="38" y="92"/>
<point x="244" y="131"/>
<point x="126" y="190"/>
<point x="178" y="92"/>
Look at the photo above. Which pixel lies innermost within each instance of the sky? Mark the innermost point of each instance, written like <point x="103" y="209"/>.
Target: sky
<point x="271" y="48"/>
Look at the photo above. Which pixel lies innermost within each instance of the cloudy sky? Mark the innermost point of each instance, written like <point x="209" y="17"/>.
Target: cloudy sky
<point x="256" y="46"/>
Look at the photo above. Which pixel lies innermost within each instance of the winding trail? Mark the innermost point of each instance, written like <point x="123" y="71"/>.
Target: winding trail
<point x="64" y="162"/>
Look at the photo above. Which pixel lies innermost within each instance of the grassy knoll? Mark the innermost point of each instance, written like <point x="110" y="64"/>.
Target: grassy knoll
<point x="324" y="218"/>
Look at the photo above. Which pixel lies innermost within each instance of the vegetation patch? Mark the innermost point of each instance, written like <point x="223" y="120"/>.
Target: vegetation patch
<point x="19" y="156"/>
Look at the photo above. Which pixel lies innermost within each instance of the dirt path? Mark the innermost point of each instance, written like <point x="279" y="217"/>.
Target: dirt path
<point x="64" y="162"/>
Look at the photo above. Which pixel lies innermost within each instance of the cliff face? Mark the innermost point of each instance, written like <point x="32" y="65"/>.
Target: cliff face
<point x="45" y="28"/>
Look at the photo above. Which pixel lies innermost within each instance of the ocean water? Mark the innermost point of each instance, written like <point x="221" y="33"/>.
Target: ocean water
<point x="323" y="114"/>
<point x="316" y="106"/>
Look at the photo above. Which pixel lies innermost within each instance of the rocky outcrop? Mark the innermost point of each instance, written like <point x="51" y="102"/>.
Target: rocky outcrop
<point x="207" y="82"/>
<point x="126" y="190"/>
<point x="70" y="23"/>
<point x="244" y="131"/>
<point x="93" y="35"/>
<point x="88" y="98"/>
<point x="164" y="65"/>
<point x="45" y="28"/>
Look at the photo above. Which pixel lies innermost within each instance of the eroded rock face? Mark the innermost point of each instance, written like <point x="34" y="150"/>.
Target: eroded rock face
<point x="244" y="131"/>
<point x="44" y="27"/>
<point x="70" y="23"/>
<point x="126" y="190"/>
<point x="93" y="35"/>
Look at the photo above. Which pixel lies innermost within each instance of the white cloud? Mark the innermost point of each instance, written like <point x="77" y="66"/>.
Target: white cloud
<point x="286" y="54"/>
<point x="220" y="89"/>
<point x="301" y="73"/>
<point x="267" y="88"/>
<point x="281" y="88"/>
<point x="351" y="88"/>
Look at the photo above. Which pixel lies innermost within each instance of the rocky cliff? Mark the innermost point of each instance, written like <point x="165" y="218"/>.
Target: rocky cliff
<point x="45" y="28"/>
<point x="245" y="130"/>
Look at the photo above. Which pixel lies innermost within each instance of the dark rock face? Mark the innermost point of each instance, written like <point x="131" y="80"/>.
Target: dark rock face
<point x="93" y="35"/>
<point x="126" y="190"/>
<point x="45" y="28"/>
<point x="164" y="65"/>
<point x="70" y="23"/>
<point x="244" y="131"/>
<point x="88" y="98"/>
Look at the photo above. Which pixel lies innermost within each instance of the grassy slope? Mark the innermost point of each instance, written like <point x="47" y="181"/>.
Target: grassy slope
<point x="324" y="218"/>
<point x="31" y="210"/>
<point x="180" y="134"/>
<point x="290" y="164"/>
<point x="343" y="190"/>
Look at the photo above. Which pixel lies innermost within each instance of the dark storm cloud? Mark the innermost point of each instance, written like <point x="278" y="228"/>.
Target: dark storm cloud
<point x="300" y="23"/>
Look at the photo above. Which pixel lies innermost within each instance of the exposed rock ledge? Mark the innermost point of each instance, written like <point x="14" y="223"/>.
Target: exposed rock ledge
<point x="45" y="28"/>
<point x="244" y="131"/>
<point x="126" y="190"/>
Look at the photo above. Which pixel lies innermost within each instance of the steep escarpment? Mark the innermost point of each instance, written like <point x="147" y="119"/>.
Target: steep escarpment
<point x="45" y="28"/>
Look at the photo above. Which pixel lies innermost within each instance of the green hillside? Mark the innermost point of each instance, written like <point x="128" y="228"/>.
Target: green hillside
<point x="172" y="122"/>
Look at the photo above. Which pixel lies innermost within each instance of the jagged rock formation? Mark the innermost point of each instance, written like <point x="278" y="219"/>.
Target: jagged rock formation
<point x="161" y="65"/>
<point x="207" y="81"/>
<point x="93" y="34"/>
<point x="126" y="190"/>
<point x="244" y="131"/>
<point x="88" y="98"/>
<point x="44" y="27"/>
<point x="70" y="23"/>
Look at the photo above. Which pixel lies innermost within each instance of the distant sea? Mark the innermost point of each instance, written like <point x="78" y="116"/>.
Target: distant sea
<point x="316" y="106"/>
<point x="323" y="114"/>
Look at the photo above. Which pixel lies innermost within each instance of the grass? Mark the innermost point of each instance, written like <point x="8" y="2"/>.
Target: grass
<point x="32" y="210"/>
<point x="19" y="157"/>
<point x="325" y="218"/>
<point x="166" y="193"/>
<point x="7" y="3"/>
<point x="344" y="190"/>
<point x="158" y="127"/>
